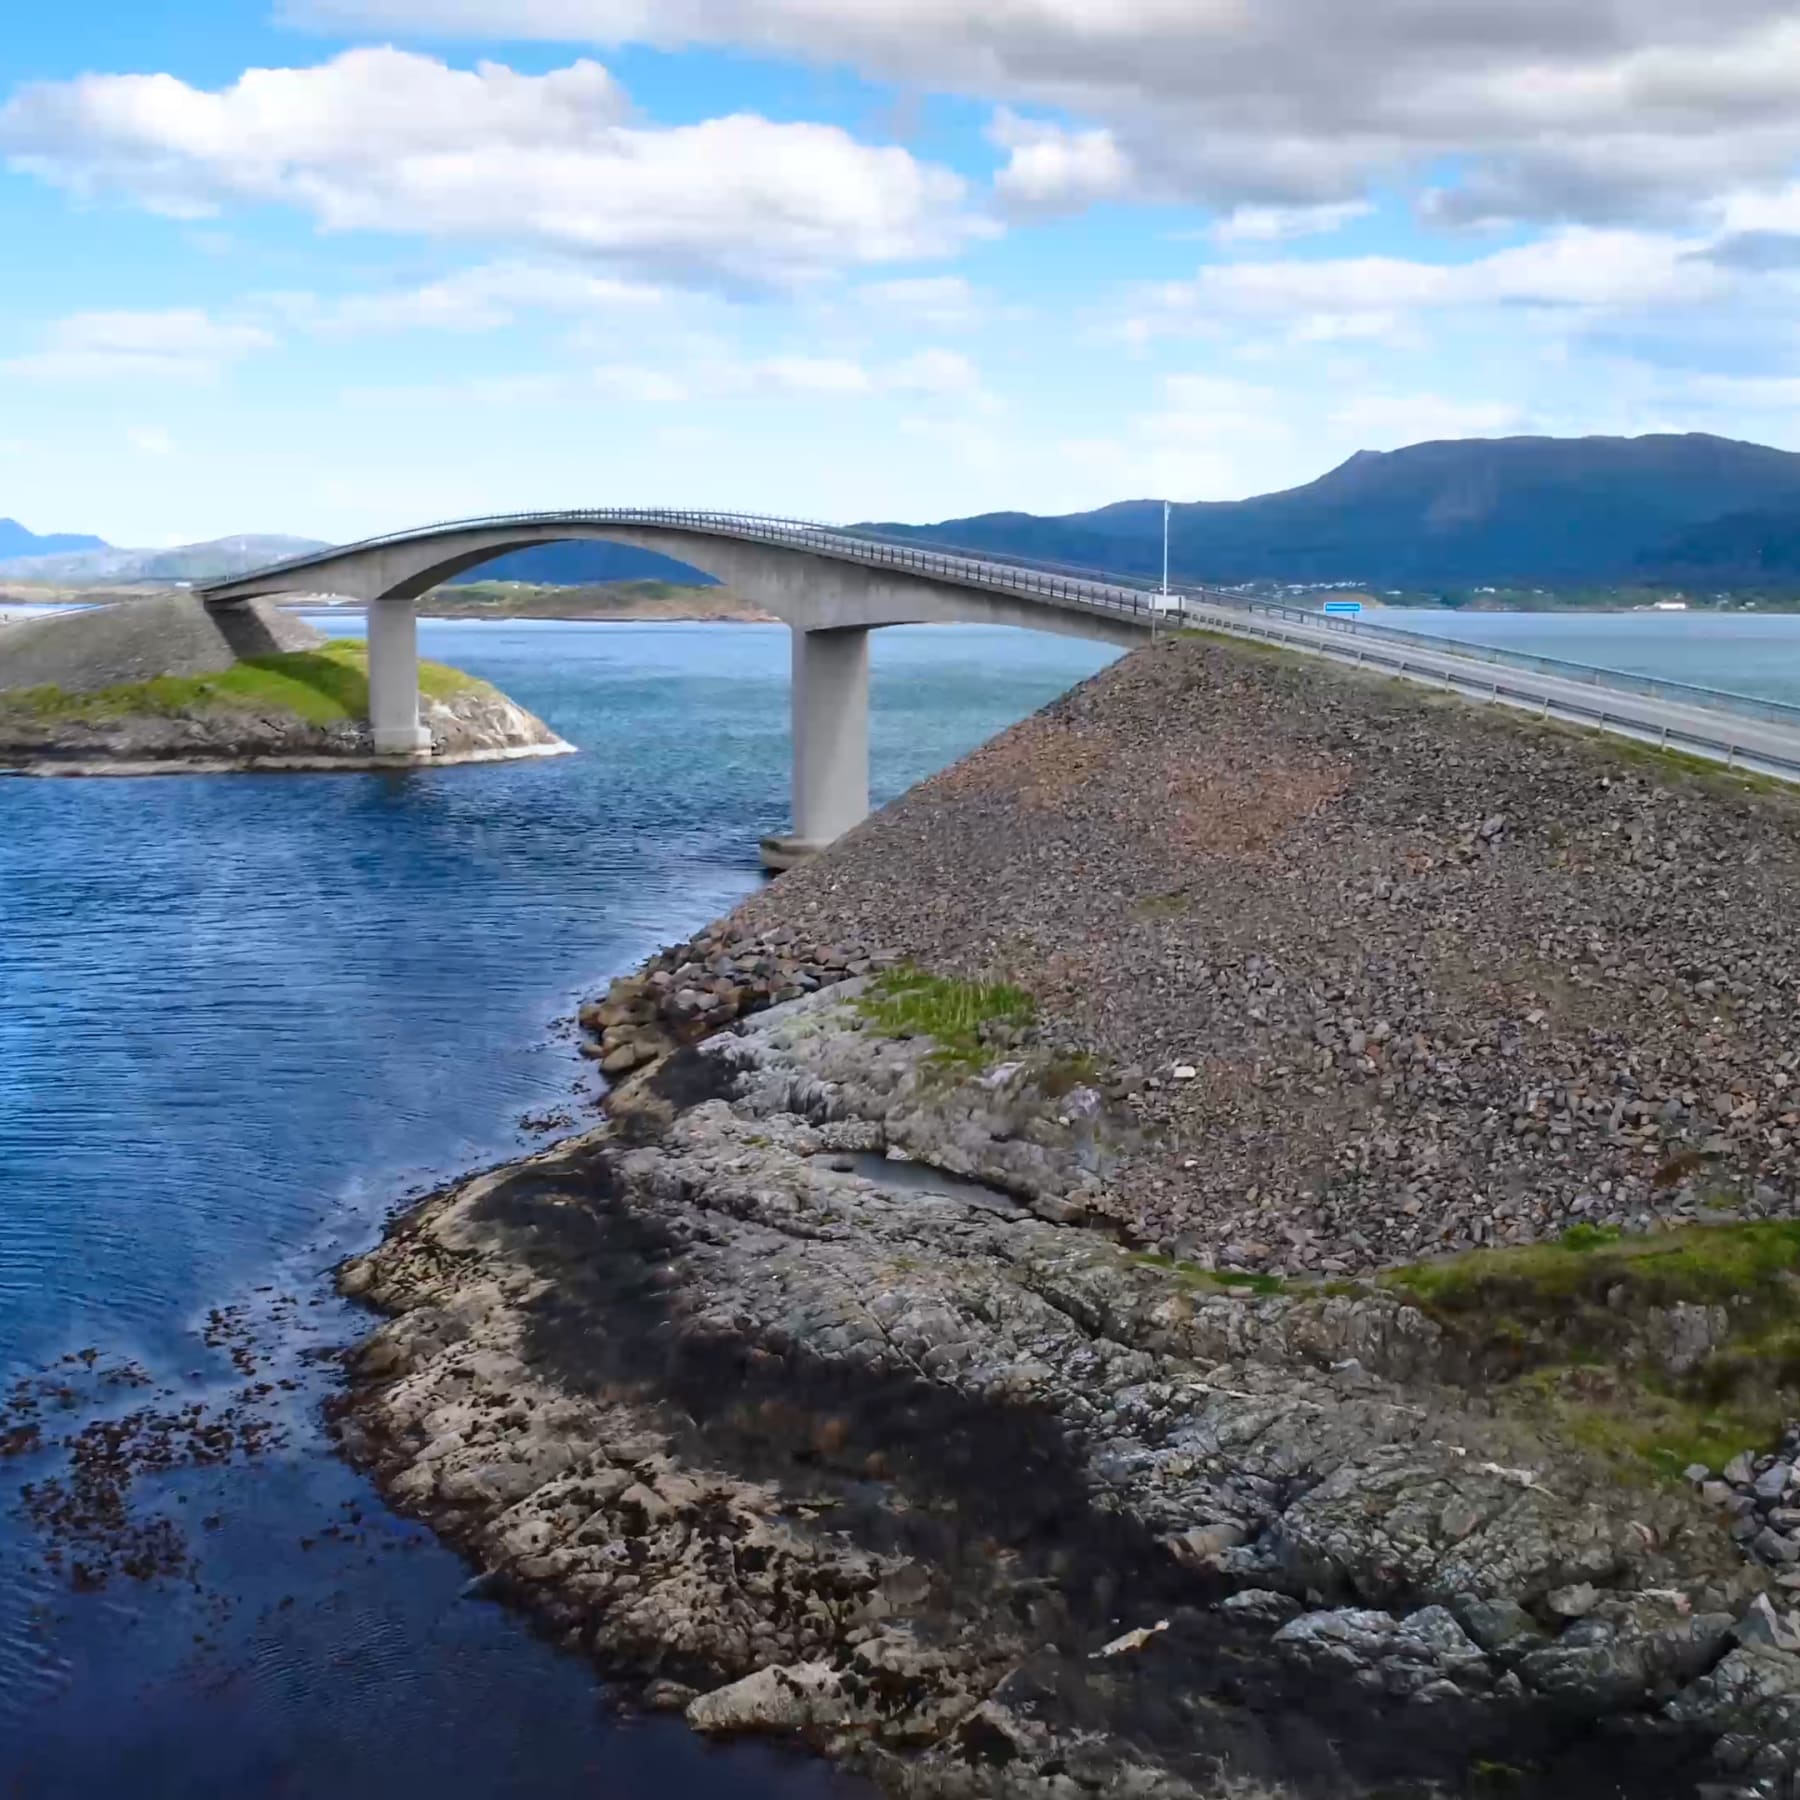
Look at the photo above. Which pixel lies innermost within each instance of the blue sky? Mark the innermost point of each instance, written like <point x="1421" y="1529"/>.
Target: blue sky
<point x="337" y="266"/>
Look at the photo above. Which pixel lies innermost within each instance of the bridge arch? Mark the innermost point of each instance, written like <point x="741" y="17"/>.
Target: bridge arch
<point x="831" y="587"/>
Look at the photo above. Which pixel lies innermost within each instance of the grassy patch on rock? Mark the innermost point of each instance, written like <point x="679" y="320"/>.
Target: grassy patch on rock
<point x="1756" y="1265"/>
<point x="1658" y="1350"/>
<point x="326" y="686"/>
<point x="1223" y="1281"/>
<point x="1654" y="1352"/>
<point x="909" y="1002"/>
<point x="1645" y="1426"/>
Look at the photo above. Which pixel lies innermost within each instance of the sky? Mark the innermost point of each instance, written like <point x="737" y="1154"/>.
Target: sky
<point x="335" y="267"/>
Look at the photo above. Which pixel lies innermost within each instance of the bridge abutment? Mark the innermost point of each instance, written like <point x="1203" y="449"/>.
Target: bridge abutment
<point x="831" y="742"/>
<point x="394" y="679"/>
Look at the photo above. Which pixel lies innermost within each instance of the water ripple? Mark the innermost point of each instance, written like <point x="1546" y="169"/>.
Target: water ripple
<point x="238" y="1017"/>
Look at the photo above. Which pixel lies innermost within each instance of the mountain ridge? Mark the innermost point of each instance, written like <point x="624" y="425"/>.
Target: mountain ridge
<point x="1440" y="515"/>
<point x="1536" y="510"/>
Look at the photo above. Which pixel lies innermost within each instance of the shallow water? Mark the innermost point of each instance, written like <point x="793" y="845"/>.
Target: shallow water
<point x="240" y="1016"/>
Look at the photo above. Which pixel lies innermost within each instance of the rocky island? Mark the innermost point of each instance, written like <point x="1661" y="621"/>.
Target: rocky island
<point x="1243" y="1240"/>
<point x="158" y="685"/>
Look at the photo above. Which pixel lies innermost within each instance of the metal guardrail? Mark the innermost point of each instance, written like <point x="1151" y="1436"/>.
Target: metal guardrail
<point x="1365" y="651"/>
<point x="1068" y="587"/>
<point x="1776" y="712"/>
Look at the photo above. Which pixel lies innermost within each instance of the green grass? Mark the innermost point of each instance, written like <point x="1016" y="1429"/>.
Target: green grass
<point x="1704" y="1264"/>
<point x="1553" y="1324"/>
<point x="1192" y="1276"/>
<point x="326" y="686"/>
<point x="908" y="1002"/>
<point x="1703" y="769"/>
<point x="1553" y="1332"/>
<point x="1647" y="1428"/>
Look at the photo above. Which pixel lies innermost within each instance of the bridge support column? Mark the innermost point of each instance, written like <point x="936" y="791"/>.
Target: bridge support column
<point x="394" y="679"/>
<point x="831" y="743"/>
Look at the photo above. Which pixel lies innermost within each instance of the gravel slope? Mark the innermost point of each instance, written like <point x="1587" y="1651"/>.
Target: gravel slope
<point x="1444" y="977"/>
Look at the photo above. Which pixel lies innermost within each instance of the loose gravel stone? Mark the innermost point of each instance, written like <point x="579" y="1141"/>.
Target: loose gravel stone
<point x="1447" y="977"/>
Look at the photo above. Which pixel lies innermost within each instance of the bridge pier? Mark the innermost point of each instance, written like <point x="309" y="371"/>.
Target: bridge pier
<point x="394" y="679"/>
<point x="831" y="742"/>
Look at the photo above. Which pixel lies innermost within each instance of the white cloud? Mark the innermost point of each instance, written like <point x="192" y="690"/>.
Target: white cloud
<point x="1050" y="169"/>
<point x="1377" y="421"/>
<point x="1742" y="393"/>
<point x="1559" y="110"/>
<point x="943" y="372"/>
<point x="644" y="387"/>
<point x="478" y="299"/>
<point x="1215" y="436"/>
<point x="1778" y="209"/>
<point x="183" y="343"/>
<point x="941" y="302"/>
<point x="150" y="440"/>
<point x="937" y="373"/>
<point x="1279" y="224"/>
<point x="384" y="140"/>
<point x="1579" y="271"/>
<point x="811" y="375"/>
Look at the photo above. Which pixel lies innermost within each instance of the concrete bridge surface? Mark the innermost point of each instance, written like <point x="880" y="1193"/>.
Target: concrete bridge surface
<point x="833" y="587"/>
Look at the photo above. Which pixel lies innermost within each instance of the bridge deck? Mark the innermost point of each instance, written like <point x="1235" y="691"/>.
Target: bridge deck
<point x="1728" y="728"/>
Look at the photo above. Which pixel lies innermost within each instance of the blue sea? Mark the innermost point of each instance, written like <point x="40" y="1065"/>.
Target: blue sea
<point x="241" y="1018"/>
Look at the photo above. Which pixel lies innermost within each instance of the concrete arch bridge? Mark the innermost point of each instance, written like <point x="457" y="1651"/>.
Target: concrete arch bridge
<point x="831" y="587"/>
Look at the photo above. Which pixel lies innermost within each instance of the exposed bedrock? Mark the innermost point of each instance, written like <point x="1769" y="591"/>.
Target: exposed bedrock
<point x="919" y="1467"/>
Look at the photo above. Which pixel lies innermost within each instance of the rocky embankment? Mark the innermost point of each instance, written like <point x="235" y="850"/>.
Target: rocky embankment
<point x="690" y="990"/>
<point x="989" y="1339"/>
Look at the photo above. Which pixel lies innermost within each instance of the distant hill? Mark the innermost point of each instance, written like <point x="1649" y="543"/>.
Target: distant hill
<point x="1530" y="511"/>
<point x="1518" y="512"/>
<point x="15" y="540"/>
<point x="106" y="566"/>
<point x="1744" y="549"/>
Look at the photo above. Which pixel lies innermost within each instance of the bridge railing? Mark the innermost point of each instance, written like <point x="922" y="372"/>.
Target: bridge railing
<point x="966" y="568"/>
<point x="1087" y="589"/>
<point x="1657" y="687"/>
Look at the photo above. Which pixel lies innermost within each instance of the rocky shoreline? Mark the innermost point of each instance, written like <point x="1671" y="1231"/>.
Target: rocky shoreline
<point x="165" y="686"/>
<point x="743" y="1399"/>
<point x="1001" y="1335"/>
<point x="475" y="726"/>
